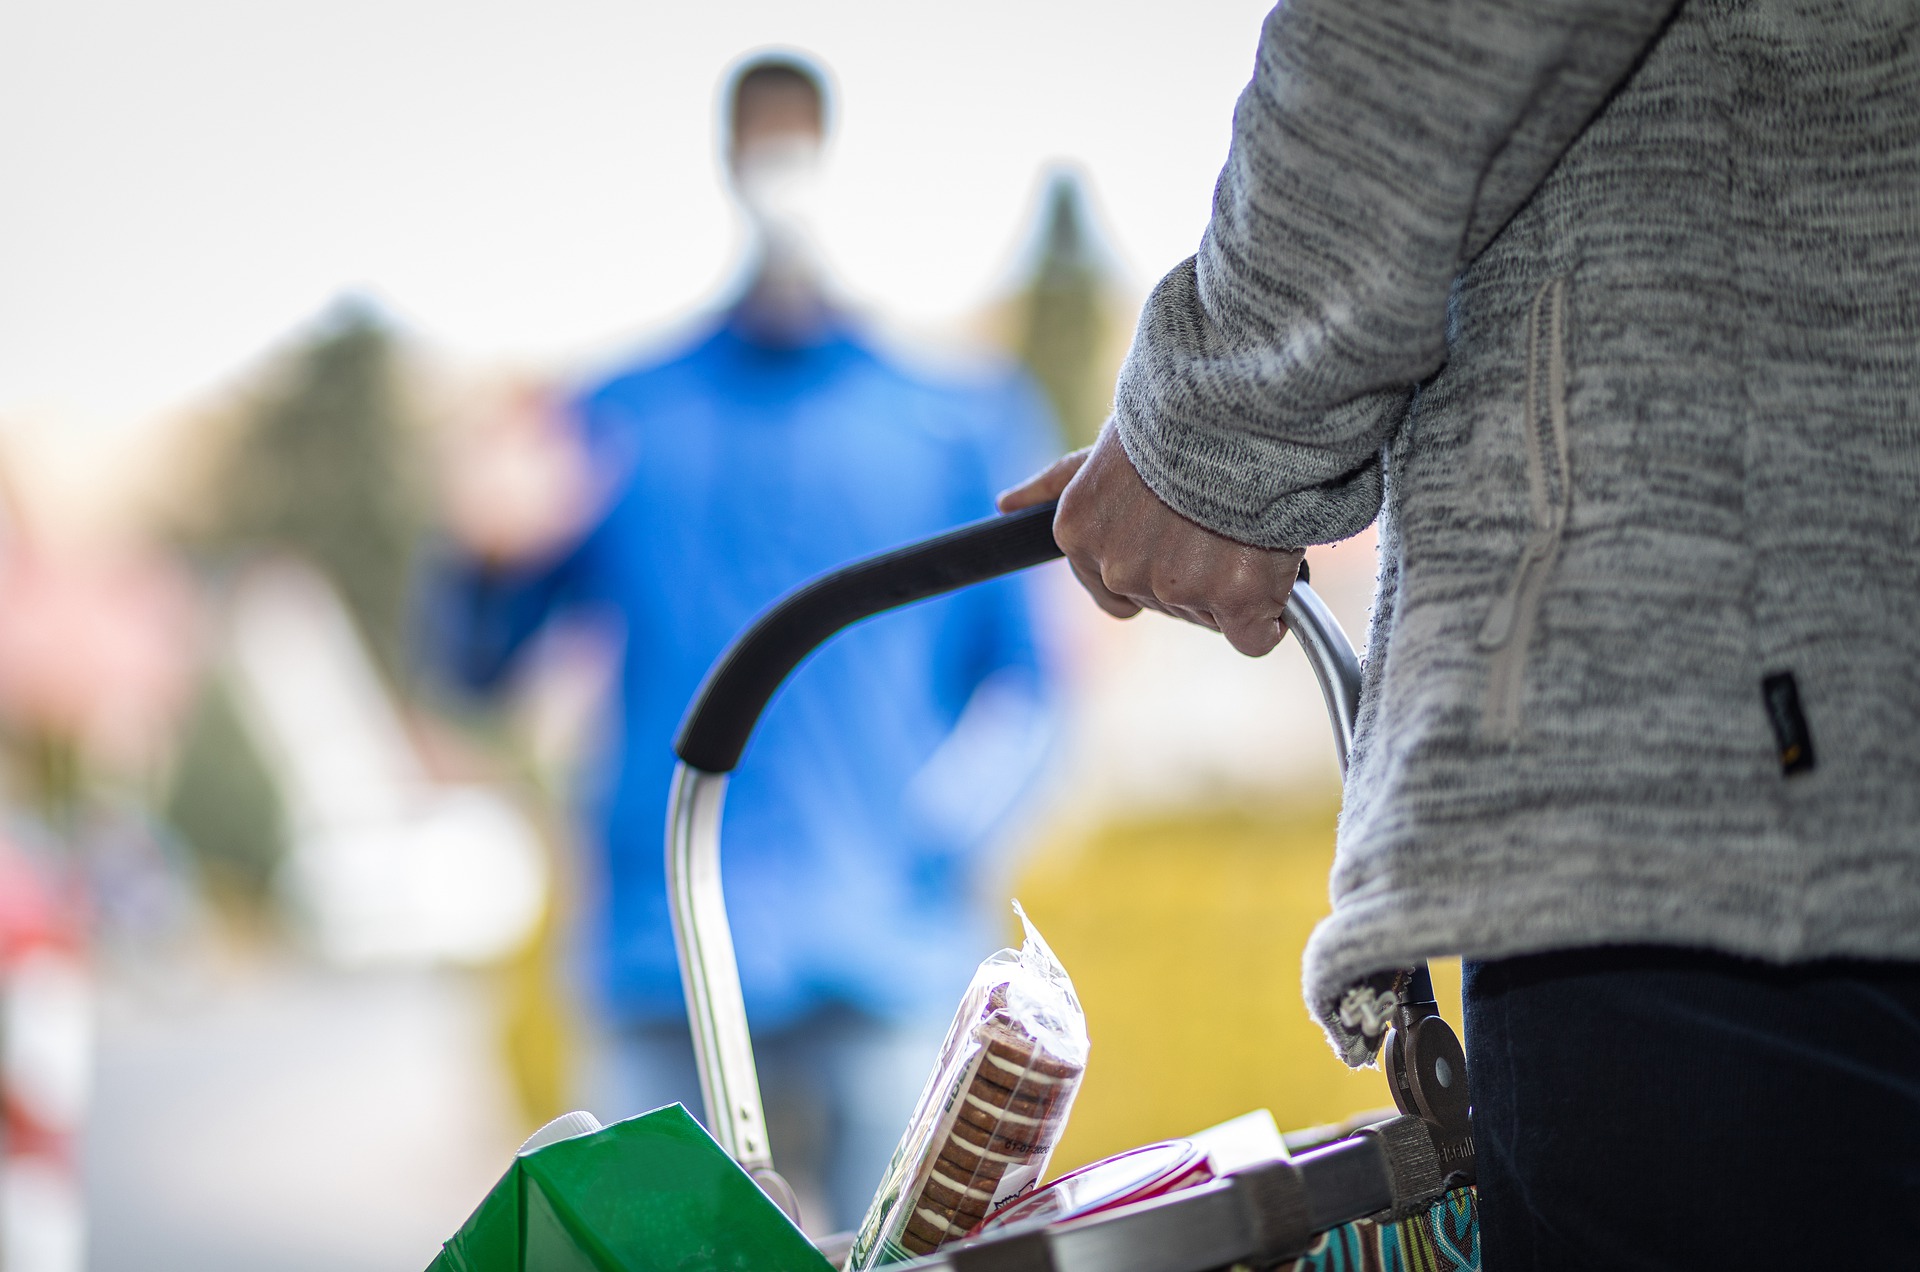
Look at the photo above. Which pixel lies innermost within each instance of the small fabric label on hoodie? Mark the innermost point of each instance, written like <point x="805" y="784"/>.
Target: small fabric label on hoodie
<point x="1782" y="697"/>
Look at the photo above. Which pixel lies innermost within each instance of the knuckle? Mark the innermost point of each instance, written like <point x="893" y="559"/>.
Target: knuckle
<point x="1072" y="536"/>
<point x="1128" y="578"/>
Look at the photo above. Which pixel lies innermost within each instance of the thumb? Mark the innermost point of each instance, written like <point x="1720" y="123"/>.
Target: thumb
<point x="1046" y="484"/>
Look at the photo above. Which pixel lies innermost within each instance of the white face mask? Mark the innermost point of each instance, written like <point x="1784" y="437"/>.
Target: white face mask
<point x="779" y="182"/>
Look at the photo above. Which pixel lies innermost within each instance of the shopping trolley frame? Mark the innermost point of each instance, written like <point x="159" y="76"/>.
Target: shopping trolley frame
<point x="1264" y="1213"/>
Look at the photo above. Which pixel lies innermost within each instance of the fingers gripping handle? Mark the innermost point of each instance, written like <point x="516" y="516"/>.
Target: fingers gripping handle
<point x="728" y="706"/>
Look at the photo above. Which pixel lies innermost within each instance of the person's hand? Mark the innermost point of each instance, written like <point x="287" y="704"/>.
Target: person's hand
<point x="1132" y="552"/>
<point x="516" y="485"/>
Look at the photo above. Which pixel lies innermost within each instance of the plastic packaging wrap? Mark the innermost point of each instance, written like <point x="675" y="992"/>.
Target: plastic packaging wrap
<point x="1138" y="1174"/>
<point x="991" y="1112"/>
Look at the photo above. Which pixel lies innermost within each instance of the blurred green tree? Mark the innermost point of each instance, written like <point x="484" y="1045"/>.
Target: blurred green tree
<point x="224" y="802"/>
<point x="324" y="468"/>
<point x="1064" y="321"/>
<point x="319" y="462"/>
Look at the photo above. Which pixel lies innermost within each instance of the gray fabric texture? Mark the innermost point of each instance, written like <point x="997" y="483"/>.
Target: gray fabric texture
<point x="1609" y="310"/>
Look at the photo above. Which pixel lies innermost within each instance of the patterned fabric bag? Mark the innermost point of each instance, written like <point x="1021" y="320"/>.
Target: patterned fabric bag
<point x="1444" y="1238"/>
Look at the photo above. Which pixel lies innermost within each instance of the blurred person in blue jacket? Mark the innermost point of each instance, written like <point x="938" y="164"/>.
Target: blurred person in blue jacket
<point x="777" y="443"/>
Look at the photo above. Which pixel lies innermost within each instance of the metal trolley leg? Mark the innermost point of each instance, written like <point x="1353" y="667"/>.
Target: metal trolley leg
<point x="729" y="1084"/>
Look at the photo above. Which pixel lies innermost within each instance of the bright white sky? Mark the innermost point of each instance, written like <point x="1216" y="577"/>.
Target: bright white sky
<point x="184" y="182"/>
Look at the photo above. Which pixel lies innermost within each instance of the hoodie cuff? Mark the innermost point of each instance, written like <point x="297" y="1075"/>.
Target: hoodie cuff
<point x="1243" y="487"/>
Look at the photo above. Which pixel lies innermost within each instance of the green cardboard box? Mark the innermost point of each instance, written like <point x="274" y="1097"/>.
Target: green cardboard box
<point x="649" y="1194"/>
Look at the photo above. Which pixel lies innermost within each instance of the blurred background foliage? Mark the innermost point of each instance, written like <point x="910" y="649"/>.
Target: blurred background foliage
<point x="1067" y="313"/>
<point x="223" y="802"/>
<point x="326" y="468"/>
<point x="318" y="462"/>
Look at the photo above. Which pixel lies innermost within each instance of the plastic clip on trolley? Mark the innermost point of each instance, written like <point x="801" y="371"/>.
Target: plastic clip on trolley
<point x="1262" y="1215"/>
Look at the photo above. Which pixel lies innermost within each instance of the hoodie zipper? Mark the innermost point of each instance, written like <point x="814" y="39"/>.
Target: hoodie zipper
<point x="1509" y="628"/>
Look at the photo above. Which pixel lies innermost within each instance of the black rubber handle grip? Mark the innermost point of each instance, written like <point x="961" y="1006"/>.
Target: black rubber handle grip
<point x="738" y="688"/>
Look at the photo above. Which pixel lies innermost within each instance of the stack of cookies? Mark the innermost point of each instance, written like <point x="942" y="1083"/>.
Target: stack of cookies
<point x="1005" y="1109"/>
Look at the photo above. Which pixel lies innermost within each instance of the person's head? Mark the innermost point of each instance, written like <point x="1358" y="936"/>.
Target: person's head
<point x="775" y="102"/>
<point x="774" y="120"/>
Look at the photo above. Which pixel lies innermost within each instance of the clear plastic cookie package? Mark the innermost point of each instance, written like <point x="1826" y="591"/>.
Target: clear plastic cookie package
<point x="992" y="1111"/>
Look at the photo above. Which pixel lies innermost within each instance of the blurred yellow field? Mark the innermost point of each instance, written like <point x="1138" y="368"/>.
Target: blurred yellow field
<point x="1183" y="934"/>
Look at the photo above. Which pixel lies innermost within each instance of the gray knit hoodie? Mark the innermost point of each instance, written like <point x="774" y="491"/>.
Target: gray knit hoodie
<point x="1610" y="311"/>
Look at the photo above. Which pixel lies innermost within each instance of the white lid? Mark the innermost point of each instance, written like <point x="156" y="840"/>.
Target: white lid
<point x="564" y="1127"/>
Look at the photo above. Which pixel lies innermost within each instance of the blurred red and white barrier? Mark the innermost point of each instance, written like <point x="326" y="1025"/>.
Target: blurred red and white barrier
<point x="46" y="1068"/>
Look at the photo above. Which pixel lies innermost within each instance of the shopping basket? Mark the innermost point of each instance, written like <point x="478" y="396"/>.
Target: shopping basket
<point x="1396" y="1193"/>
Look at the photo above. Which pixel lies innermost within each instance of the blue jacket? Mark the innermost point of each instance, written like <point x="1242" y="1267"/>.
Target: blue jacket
<point x="751" y="469"/>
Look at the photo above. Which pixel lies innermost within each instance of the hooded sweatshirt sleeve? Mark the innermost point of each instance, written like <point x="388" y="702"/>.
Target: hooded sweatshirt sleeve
<point x="1380" y="145"/>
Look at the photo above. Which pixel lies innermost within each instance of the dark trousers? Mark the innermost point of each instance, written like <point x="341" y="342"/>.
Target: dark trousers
<point x="1658" y="1108"/>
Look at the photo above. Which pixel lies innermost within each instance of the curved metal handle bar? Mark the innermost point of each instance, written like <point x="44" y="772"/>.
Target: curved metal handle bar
<point x="730" y="702"/>
<point x="1335" y="663"/>
<point x="760" y="659"/>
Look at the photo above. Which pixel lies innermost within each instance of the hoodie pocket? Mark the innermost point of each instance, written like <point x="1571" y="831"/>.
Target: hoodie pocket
<point x="1508" y="632"/>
